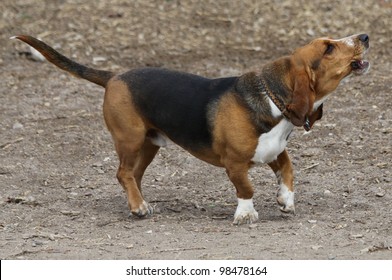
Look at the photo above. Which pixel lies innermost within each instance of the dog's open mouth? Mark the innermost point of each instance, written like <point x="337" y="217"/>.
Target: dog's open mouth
<point x="360" y="66"/>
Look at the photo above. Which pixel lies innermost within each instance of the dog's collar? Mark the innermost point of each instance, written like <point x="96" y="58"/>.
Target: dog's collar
<point x="275" y="99"/>
<point x="279" y="103"/>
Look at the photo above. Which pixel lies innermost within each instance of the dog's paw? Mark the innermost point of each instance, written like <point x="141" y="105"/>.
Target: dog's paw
<point x="287" y="209"/>
<point x="285" y="199"/>
<point x="246" y="218"/>
<point x="143" y="210"/>
<point x="245" y="213"/>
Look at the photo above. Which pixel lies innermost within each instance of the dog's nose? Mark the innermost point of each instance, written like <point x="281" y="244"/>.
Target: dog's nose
<point x="364" y="38"/>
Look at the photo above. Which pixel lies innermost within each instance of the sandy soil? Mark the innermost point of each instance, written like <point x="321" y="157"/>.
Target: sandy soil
<point x="59" y="198"/>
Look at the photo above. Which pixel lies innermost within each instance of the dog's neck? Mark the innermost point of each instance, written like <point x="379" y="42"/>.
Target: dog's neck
<point x="275" y="98"/>
<point x="272" y="80"/>
<point x="252" y="93"/>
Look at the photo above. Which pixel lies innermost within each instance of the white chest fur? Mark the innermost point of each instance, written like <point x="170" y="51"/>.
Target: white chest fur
<point x="272" y="143"/>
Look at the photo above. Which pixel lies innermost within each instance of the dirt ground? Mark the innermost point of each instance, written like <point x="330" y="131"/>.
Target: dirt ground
<point x="59" y="197"/>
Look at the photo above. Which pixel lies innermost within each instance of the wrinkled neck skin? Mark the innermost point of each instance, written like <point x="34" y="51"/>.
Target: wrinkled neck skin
<point x="250" y="90"/>
<point x="280" y="77"/>
<point x="276" y="77"/>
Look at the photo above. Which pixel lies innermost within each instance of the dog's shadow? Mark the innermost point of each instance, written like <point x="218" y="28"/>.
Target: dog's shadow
<point x="182" y="209"/>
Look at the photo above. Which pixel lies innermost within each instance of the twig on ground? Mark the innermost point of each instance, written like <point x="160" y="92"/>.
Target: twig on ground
<point x="7" y="144"/>
<point x="176" y="250"/>
<point x="310" y="166"/>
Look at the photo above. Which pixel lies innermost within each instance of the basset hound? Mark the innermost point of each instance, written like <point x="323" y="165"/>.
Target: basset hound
<point x="232" y="122"/>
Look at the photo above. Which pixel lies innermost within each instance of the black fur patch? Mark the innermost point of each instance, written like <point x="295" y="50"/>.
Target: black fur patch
<point x="250" y="90"/>
<point x="177" y="103"/>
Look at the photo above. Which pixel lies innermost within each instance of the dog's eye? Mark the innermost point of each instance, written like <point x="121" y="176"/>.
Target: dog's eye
<point x="329" y="49"/>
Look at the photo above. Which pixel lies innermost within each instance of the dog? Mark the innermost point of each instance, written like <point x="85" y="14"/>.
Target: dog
<point x="232" y="122"/>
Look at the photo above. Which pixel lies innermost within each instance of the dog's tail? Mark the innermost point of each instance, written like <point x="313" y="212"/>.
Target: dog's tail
<point x="98" y="77"/>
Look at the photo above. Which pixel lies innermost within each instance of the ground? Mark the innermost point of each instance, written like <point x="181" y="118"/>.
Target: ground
<point x="59" y="195"/>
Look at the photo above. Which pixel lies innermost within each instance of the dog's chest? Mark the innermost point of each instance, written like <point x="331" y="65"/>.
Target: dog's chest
<point x="272" y="143"/>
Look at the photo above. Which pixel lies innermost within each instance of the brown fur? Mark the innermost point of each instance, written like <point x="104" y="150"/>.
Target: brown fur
<point x="235" y="111"/>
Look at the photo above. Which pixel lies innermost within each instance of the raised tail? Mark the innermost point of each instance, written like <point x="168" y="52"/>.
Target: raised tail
<point x="98" y="77"/>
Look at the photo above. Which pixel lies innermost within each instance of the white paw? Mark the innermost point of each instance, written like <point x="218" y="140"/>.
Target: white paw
<point x="143" y="210"/>
<point x="285" y="199"/>
<point x="245" y="213"/>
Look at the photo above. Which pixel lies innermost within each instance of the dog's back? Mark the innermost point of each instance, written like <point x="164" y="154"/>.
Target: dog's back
<point x="177" y="103"/>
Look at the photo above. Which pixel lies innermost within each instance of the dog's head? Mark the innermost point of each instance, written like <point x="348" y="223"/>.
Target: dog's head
<point x="317" y="68"/>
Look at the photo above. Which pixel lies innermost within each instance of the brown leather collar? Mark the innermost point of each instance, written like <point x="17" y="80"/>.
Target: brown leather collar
<point x="280" y="104"/>
<point x="277" y="101"/>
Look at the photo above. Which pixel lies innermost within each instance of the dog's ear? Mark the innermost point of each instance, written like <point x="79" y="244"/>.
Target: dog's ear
<point x="301" y="105"/>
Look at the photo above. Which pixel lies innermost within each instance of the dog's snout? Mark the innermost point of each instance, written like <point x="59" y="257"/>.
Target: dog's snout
<point x="364" y="38"/>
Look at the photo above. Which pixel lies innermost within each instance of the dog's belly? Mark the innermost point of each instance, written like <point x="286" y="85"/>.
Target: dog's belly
<point x="272" y="143"/>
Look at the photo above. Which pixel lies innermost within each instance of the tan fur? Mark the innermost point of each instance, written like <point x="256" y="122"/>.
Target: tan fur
<point x="135" y="152"/>
<point x="235" y="140"/>
<point x="236" y="119"/>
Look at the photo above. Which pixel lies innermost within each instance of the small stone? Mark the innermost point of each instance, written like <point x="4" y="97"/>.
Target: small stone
<point x="70" y="213"/>
<point x="310" y="32"/>
<point x="312" y="203"/>
<point x="99" y="59"/>
<point x="380" y="193"/>
<point x="316" y="247"/>
<point x="365" y="250"/>
<point x="312" y="221"/>
<point x="37" y="243"/>
<point x="17" y="126"/>
<point x="382" y="165"/>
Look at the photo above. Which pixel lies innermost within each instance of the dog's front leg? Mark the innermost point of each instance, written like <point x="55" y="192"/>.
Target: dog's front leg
<point x="284" y="173"/>
<point x="245" y="213"/>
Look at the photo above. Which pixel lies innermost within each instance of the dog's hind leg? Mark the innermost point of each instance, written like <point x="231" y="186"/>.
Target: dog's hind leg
<point x="129" y="134"/>
<point x="146" y="155"/>
<point x="129" y="176"/>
